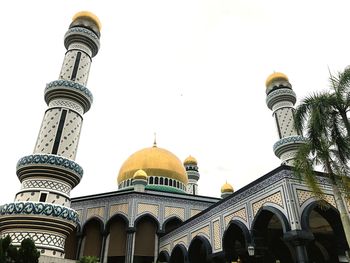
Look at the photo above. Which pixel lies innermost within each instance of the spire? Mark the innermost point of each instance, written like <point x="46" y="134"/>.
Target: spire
<point x="155" y="140"/>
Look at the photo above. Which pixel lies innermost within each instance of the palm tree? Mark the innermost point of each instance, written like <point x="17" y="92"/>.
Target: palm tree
<point x="328" y="145"/>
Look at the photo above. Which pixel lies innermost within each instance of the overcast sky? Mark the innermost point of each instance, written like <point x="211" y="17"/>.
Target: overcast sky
<point x="192" y="71"/>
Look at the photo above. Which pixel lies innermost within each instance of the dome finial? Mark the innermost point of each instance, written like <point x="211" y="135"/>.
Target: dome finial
<point x="155" y="140"/>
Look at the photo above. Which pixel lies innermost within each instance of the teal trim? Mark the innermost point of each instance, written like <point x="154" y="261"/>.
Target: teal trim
<point x="164" y="188"/>
<point x="70" y="85"/>
<point x="42" y="209"/>
<point x="53" y="160"/>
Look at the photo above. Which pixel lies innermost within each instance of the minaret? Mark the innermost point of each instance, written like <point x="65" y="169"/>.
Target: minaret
<point x="226" y="190"/>
<point x="281" y="99"/>
<point x="41" y="210"/>
<point x="191" y="167"/>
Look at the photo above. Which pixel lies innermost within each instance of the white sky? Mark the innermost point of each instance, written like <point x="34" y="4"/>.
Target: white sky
<point x="192" y="71"/>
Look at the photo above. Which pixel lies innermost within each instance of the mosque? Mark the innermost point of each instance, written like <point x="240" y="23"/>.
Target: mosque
<point x="157" y="215"/>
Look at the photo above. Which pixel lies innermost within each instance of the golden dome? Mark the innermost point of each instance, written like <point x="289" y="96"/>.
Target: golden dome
<point x="190" y="160"/>
<point x="140" y="174"/>
<point x="227" y="188"/>
<point x="89" y="15"/>
<point x="153" y="161"/>
<point x="275" y="76"/>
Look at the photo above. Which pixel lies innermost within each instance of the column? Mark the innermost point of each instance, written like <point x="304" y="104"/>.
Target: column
<point x="130" y="245"/>
<point x="298" y="239"/>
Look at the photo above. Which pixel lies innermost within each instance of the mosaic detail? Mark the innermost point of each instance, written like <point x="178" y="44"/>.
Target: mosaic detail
<point x="275" y="198"/>
<point x="67" y="104"/>
<point x="42" y="209"/>
<point x="80" y="47"/>
<point x="204" y="231"/>
<point x="242" y="213"/>
<point x="286" y="122"/>
<point x="70" y="135"/>
<point x="216" y="235"/>
<point x="70" y="85"/>
<point x="119" y="208"/>
<point x="303" y="196"/>
<point x="82" y="30"/>
<point x="47" y="184"/>
<point x="48" y="131"/>
<point x="288" y="140"/>
<point x="195" y="211"/>
<point x="41" y="239"/>
<point x="96" y="211"/>
<point x="153" y="209"/>
<point x="51" y="160"/>
<point x="174" y="211"/>
<point x="286" y="94"/>
<point x="181" y="240"/>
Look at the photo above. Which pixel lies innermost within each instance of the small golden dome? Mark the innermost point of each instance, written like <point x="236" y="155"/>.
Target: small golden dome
<point x="153" y="161"/>
<point x="275" y="76"/>
<point x="140" y="174"/>
<point x="89" y="15"/>
<point x="190" y="160"/>
<point x="227" y="188"/>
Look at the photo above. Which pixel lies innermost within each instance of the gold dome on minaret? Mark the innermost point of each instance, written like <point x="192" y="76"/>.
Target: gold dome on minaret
<point x="154" y="161"/>
<point x="190" y="160"/>
<point x="275" y="76"/>
<point x="227" y="188"/>
<point x="140" y="174"/>
<point x="90" y="16"/>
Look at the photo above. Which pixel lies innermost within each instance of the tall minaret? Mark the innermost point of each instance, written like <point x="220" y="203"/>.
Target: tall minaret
<point x="41" y="208"/>
<point x="281" y="99"/>
<point x="191" y="167"/>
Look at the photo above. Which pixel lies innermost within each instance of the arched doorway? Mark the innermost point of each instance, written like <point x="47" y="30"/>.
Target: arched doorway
<point x="146" y="239"/>
<point x="268" y="228"/>
<point x="199" y="250"/>
<point x="235" y="241"/>
<point x="71" y="245"/>
<point x="179" y="254"/>
<point x="170" y="224"/>
<point x="92" y="238"/>
<point x="116" y="245"/>
<point x="163" y="257"/>
<point x="329" y="239"/>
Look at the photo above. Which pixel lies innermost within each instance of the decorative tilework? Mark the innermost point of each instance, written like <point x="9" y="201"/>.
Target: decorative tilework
<point x="181" y="240"/>
<point x="204" y="230"/>
<point x="165" y="248"/>
<point x="303" y="196"/>
<point x="217" y="235"/>
<point x="275" y="198"/>
<point x="119" y="208"/>
<point x="174" y="211"/>
<point x="46" y="184"/>
<point x="242" y="213"/>
<point x="194" y="212"/>
<point x="96" y="211"/>
<point x="67" y="104"/>
<point x="153" y="209"/>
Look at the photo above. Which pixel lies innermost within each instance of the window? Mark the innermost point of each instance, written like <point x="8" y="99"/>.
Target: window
<point x="161" y="180"/>
<point x="43" y="197"/>
<point x="151" y="180"/>
<point x="166" y="181"/>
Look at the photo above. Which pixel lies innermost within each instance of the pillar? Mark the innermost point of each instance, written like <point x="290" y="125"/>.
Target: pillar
<point x="130" y="245"/>
<point x="299" y="239"/>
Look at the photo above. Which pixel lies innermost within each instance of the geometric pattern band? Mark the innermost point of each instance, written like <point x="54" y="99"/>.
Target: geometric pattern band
<point x="48" y="184"/>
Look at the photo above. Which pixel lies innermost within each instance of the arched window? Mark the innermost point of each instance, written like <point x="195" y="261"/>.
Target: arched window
<point x="161" y="180"/>
<point x="174" y="183"/>
<point x="177" y="184"/>
<point x="166" y="181"/>
<point x="170" y="182"/>
<point x="151" y="180"/>
<point x="156" y="180"/>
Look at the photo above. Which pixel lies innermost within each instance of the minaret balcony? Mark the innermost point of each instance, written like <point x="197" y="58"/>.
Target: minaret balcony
<point x="278" y="95"/>
<point x="290" y="143"/>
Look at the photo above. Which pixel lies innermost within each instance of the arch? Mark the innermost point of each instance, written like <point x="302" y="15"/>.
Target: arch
<point x="163" y="257"/>
<point x="235" y="241"/>
<point x="199" y="250"/>
<point x="161" y="180"/>
<point x="166" y="181"/>
<point x="326" y="227"/>
<point x="282" y="218"/>
<point x="92" y="232"/>
<point x="115" y="246"/>
<point x="156" y="180"/>
<point x="145" y="238"/>
<point x="179" y="254"/>
<point x="152" y="217"/>
<point x="268" y="229"/>
<point x="171" y="223"/>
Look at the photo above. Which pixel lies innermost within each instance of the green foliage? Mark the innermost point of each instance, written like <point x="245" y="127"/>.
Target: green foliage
<point x="27" y="252"/>
<point x="88" y="259"/>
